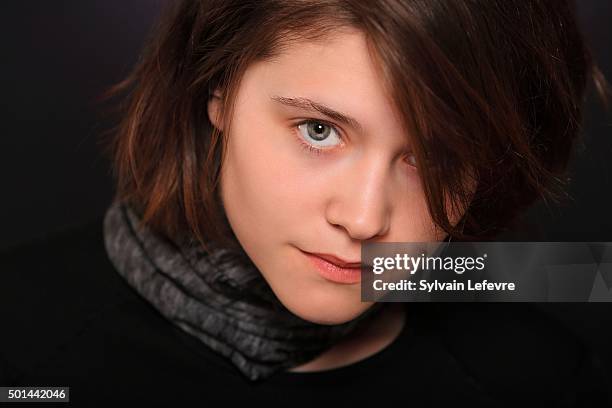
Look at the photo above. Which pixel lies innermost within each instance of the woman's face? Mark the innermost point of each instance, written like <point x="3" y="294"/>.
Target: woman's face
<point x="299" y="179"/>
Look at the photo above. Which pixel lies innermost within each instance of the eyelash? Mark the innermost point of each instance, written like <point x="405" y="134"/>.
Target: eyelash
<point x="315" y="150"/>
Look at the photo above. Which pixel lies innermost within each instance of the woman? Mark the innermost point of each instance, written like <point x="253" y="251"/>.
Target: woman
<point x="260" y="144"/>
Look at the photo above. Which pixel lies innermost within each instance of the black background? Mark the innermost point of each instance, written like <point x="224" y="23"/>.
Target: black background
<point x="59" y="55"/>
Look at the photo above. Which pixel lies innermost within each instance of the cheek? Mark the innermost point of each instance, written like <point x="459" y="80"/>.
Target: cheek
<point x="263" y="186"/>
<point x="412" y="221"/>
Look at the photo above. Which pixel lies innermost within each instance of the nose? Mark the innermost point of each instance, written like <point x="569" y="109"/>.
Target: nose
<point x="361" y="203"/>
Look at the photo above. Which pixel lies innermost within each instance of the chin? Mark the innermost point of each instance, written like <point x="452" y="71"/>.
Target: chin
<point x="326" y="307"/>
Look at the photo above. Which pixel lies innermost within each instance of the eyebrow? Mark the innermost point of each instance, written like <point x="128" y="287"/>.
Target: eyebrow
<point x="310" y="105"/>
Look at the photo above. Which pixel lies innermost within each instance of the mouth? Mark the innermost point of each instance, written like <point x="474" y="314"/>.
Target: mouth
<point x="335" y="269"/>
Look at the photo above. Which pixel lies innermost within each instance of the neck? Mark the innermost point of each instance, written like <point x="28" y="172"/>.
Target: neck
<point x="363" y="343"/>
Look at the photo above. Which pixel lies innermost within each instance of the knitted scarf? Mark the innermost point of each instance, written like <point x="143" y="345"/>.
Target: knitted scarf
<point x="219" y="297"/>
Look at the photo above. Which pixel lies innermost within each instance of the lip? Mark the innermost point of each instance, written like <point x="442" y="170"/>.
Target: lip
<point x="335" y="269"/>
<point x="339" y="262"/>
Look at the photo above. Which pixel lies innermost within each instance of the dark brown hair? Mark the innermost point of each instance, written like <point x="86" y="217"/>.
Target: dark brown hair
<point x="492" y="89"/>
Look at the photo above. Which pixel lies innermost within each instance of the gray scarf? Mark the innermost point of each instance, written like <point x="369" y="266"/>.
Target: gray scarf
<point x="220" y="297"/>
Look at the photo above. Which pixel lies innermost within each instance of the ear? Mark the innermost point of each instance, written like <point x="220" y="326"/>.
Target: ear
<point x="215" y="110"/>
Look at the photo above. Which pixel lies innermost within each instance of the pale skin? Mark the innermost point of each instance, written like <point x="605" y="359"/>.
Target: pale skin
<point x="281" y="198"/>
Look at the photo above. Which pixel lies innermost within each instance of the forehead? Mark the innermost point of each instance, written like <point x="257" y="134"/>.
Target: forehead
<point x="338" y="72"/>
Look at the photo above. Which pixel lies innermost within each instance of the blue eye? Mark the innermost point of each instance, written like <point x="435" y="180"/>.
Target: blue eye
<point x="319" y="134"/>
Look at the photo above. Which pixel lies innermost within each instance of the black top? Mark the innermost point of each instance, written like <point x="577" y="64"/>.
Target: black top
<point x="69" y="319"/>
